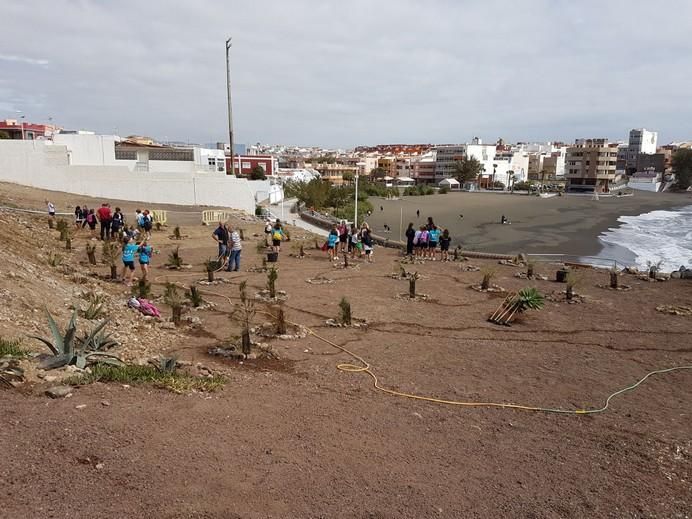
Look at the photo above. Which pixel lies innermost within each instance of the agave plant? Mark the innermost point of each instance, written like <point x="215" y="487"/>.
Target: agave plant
<point x="529" y="299"/>
<point x="68" y="349"/>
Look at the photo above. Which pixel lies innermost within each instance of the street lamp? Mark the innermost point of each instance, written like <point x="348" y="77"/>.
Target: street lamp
<point x="22" y="119"/>
<point x="230" y="109"/>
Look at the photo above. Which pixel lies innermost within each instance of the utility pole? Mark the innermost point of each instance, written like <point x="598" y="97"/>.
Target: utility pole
<point x="230" y="107"/>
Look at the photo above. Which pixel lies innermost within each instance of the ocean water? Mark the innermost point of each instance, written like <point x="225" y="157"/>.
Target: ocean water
<point x="664" y="235"/>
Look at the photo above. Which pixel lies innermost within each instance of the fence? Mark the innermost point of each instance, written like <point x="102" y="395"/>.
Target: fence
<point x="159" y="216"/>
<point x="213" y="215"/>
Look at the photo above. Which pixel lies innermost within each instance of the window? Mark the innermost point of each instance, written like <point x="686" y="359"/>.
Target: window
<point x="211" y="161"/>
<point x="247" y="165"/>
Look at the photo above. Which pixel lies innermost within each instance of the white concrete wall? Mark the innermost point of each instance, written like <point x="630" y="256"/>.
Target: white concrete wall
<point x="43" y="165"/>
<point x="644" y="186"/>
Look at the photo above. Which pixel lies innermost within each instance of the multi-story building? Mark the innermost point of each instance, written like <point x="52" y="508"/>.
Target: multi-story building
<point x="591" y="165"/>
<point x="424" y="168"/>
<point x="641" y="141"/>
<point x="335" y="173"/>
<point x="446" y="158"/>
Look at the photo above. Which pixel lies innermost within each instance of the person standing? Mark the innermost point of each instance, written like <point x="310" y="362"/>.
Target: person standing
<point x="332" y="241"/>
<point x="267" y="231"/>
<point x="354" y="244"/>
<point x="433" y="238"/>
<point x="410" y="236"/>
<point x="90" y="220"/>
<point x="51" y="208"/>
<point x="445" y="240"/>
<point x="220" y="234"/>
<point x="104" y="216"/>
<point x="78" y="217"/>
<point x="148" y="224"/>
<point x="366" y="237"/>
<point x="342" y="229"/>
<point x="235" y="246"/>
<point x="144" y="251"/>
<point x="128" y="256"/>
<point x="117" y="223"/>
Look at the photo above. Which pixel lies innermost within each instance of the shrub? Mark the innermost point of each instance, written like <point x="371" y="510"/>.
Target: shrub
<point x="174" y="259"/>
<point x="345" y="311"/>
<point x="11" y="348"/>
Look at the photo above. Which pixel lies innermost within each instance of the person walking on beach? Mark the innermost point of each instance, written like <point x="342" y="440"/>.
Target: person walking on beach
<point x="220" y="235"/>
<point x="445" y="240"/>
<point x="235" y="246"/>
<point x="410" y="236"/>
<point x="104" y="216"/>
<point x="144" y="251"/>
<point x="128" y="257"/>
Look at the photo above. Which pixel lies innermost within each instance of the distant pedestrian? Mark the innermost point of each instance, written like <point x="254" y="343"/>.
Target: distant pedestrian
<point x="220" y="235"/>
<point x="235" y="246"/>
<point x="342" y="229"/>
<point x="410" y="235"/>
<point x="144" y="252"/>
<point x="51" y="209"/>
<point x="445" y="240"/>
<point x="78" y="217"/>
<point x="417" y="213"/>
<point x="386" y="228"/>
<point x="267" y="232"/>
<point x="90" y="220"/>
<point x="366" y="238"/>
<point x="104" y="216"/>
<point x="117" y="223"/>
<point x="332" y="243"/>
<point x="128" y="256"/>
<point x="85" y="212"/>
<point x="277" y="236"/>
<point x="381" y="208"/>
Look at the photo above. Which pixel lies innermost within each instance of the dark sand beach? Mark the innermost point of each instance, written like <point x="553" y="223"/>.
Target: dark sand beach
<point x="558" y="225"/>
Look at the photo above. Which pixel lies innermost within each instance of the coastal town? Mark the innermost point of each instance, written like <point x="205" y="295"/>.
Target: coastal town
<point x="461" y="288"/>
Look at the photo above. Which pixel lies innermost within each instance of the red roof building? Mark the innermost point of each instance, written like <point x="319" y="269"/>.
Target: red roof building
<point x="17" y="129"/>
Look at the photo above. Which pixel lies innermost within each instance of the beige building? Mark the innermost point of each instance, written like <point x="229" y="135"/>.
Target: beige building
<point x="590" y="165"/>
<point x="334" y="173"/>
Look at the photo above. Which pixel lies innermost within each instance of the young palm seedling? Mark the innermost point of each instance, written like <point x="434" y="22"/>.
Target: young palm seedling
<point x="211" y="266"/>
<point x="571" y="281"/>
<point x="272" y="276"/>
<point x="109" y="254"/>
<point x="412" y="278"/>
<point x="91" y="253"/>
<point x="614" y="281"/>
<point x="142" y="289"/>
<point x="345" y="312"/>
<point x="279" y="317"/>
<point x="173" y="299"/>
<point x="488" y="274"/>
<point x="194" y="297"/>
<point x="245" y="313"/>
<point x="174" y="259"/>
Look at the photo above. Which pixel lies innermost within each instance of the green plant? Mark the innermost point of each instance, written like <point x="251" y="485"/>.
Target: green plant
<point x="142" y="289"/>
<point x="245" y="313"/>
<point x="93" y="310"/>
<point x="11" y="348"/>
<point x="62" y="227"/>
<point x="572" y="280"/>
<point x="488" y="274"/>
<point x="54" y="259"/>
<point x="168" y="364"/>
<point x="258" y="210"/>
<point x="91" y="252"/>
<point x="194" y="296"/>
<point x="443" y="190"/>
<point x="176" y="233"/>
<point x="174" y="259"/>
<point x="135" y="374"/>
<point x="109" y="255"/>
<point x="68" y="349"/>
<point x="345" y="311"/>
<point x="412" y="278"/>
<point x="272" y="276"/>
<point x="529" y="299"/>
<point x="172" y="298"/>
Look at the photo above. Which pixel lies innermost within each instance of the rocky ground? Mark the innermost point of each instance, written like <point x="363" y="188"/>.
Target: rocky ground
<point x="291" y="435"/>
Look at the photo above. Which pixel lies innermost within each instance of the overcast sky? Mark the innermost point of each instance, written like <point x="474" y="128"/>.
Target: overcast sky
<point x="343" y="73"/>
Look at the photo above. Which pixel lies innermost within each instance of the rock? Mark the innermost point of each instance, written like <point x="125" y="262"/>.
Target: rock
<point x="676" y="275"/>
<point x="59" y="391"/>
<point x="50" y="378"/>
<point x="105" y="403"/>
<point x="80" y="406"/>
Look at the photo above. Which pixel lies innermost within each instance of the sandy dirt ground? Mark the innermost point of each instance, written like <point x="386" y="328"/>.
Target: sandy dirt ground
<point x="296" y="437"/>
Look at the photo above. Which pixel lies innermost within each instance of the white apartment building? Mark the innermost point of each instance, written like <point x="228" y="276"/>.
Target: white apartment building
<point x="641" y="140"/>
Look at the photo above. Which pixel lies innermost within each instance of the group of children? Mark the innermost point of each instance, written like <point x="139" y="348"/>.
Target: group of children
<point x="423" y="242"/>
<point x="143" y="251"/>
<point x="113" y="223"/>
<point x="345" y="239"/>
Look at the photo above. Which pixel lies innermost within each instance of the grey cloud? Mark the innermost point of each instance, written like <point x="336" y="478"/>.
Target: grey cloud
<point x="353" y="72"/>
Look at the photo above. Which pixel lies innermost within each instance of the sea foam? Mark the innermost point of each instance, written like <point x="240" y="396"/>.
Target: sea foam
<point x="659" y="236"/>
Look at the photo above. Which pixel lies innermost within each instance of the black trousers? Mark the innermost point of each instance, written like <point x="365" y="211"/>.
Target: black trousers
<point x="105" y="229"/>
